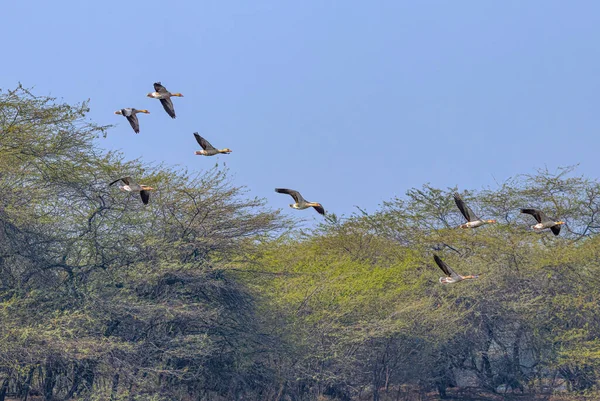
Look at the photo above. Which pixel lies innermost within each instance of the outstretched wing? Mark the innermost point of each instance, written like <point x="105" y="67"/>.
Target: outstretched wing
<point x="464" y="209"/>
<point x="295" y="194"/>
<point x="126" y="181"/>
<point x="168" y="106"/>
<point x="444" y="266"/>
<point x="145" y="196"/>
<point x="203" y="142"/>
<point x="133" y="120"/>
<point x="320" y="209"/>
<point x="538" y="214"/>
<point x="556" y="229"/>
<point x="159" y="88"/>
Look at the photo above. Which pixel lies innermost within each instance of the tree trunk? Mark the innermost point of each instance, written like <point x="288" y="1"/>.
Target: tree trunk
<point x="441" y="388"/>
<point x="27" y="384"/>
<point x="487" y="375"/>
<point x="115" y="387"/>
<point x="516" y="362"/>
<point x="49" y="383"/>
<point x="77" y="370"/>
<point x="3" y="389"/>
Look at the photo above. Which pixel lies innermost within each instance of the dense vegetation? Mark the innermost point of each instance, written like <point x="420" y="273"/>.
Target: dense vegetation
<point x="206" y="294"/>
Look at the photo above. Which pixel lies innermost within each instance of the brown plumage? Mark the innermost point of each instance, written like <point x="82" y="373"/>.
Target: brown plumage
<point x="301" y="203"/>
<point x="164" y="96"/>
<point x="472" y="220"/>
<point x="132" y="186"/>
<point x="451" y="275"/>
<point x="207" y="148"/>
<point x="543" y="221"/>
<point x="130" y="114"/>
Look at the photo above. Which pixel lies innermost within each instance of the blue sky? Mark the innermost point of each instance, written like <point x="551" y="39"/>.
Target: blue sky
<point x="349" y="102"/>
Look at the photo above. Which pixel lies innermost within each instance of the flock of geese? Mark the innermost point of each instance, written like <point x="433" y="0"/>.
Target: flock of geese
<point x="543" y="222"/>
<point x="162" y="94"/>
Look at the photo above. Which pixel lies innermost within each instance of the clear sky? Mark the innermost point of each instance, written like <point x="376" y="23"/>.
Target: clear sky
<point x="349" y="102"/>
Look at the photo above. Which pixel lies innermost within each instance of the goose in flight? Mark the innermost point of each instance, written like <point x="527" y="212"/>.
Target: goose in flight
<point x="472" y="220"/>
<point x="165" y="98"/>
<point x="544" y="221"/>
<point x="207" y="148"/>
<point x="130" y="114"/>
<point x="301" y="203"/>
<point x="132" y="186"/>
<point x="451" y="275"/>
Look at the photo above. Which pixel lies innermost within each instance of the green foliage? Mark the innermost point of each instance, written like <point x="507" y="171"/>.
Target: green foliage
<point x="101" y="295"/>
<point x="359" y="300"/>
<point x="208" y="294"/>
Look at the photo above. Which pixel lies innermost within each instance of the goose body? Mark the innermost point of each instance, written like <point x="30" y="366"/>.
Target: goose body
<point x="130" y="114"/>
<point x="207" y="148"/>
<point x="543" y="221"/>
<point x="472" y="220"/>
<point x="164" y="96"/>
<point x="300" y="202"/>
<point x="451" y="275"/>
<point x="131" y="186"/>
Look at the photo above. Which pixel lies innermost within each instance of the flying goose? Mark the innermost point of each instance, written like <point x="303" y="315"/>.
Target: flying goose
<point x="132" y="186"/>
<point x="301" y="203"/>
<point x="472" y="220"/>
<point x="130" y="114"/>
<point x="451" y="275"/>
<point x="207" y="148"/>
<point x="544" y="221"/>
<point x="165" y="98"/>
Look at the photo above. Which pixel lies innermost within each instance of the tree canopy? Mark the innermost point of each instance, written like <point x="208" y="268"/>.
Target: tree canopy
<point x="208" y="294"/>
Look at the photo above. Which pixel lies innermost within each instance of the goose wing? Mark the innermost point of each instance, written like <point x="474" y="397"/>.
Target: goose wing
<point x="464" y="209"/>
<point x="126" y="181"/>
<point x="145" y="196"/>
<point x="133" y="120"/>
<point x="320" y="209"/>
<point x="294" y="194"/>
<point x="203" y="142"/>
<point x="555" y="229"/>
<point x="538" y="214"/>
<point x="168" y="106"/>
<point x="159" y="88"/>
<point x="445" y="268"/>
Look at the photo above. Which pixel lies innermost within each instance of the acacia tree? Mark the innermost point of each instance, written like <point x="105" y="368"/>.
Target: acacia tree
<point x="359" y="298"/>
<point x="101" y="296"/>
